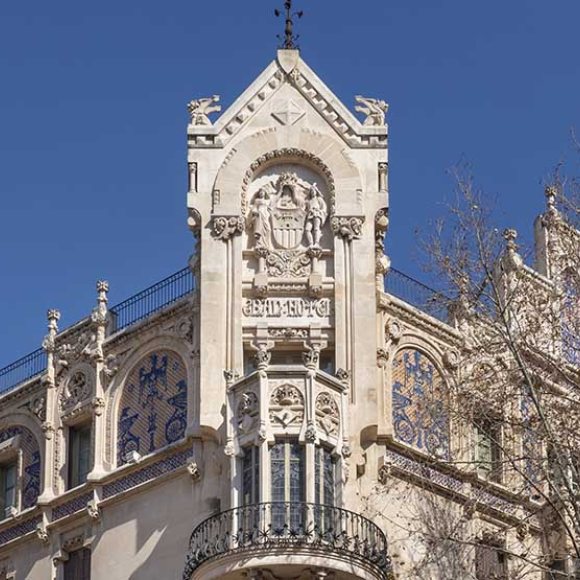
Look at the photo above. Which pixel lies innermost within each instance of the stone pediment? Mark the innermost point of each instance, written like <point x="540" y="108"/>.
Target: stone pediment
<point x="310" y="92"/>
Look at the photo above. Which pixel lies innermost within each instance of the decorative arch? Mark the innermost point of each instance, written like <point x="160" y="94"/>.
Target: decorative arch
<point x="420" y="408"/>
<point x="153" y="403"/>
<point x="31" y="473"/>
<point x="322" y="153"/>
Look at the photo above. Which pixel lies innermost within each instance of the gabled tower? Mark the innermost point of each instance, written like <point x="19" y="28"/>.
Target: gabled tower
<point x="288" y="199"/>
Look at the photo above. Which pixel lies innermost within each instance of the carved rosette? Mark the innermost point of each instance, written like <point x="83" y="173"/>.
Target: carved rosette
<point x="348" y="228"/>
<point x="247" y="412"/>
<point x="286" y="406"/>
<point x="226" y="227"/>
<point x="77" y="389"/>
<point x="327" y="414"/>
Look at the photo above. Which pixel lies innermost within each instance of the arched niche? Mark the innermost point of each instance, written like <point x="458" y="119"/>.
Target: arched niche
<point x="420" y="407"/>
<point x="152" y="411"/>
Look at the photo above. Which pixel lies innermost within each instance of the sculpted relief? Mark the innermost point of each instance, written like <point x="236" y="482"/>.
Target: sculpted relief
<point x="287" y="214"/>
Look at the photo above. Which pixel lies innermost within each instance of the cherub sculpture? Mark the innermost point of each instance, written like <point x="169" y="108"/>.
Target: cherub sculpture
<point x="374" y="109"/>
<point x="200" y="109"/>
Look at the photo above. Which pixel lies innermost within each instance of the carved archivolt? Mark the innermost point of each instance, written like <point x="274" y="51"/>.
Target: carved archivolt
<point x="286" y="406"/>
<point x="327" y="413"/>
<point x="288" y="155"/>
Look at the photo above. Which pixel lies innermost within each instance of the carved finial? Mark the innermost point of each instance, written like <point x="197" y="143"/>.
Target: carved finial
<point x="551" y="193"/>
<point x="99" y="315"/>
<point x="374" y="109"/>
<point x="510" y="236"/>
<point x="200" y="109"/>
<point x="53" y="317"/>
<point x="289" y="37"/>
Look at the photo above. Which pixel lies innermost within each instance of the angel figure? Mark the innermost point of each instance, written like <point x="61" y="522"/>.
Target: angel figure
<point x="316" y="215"/>
<point x="200" y="109"/>
<point x="374" y="109"/>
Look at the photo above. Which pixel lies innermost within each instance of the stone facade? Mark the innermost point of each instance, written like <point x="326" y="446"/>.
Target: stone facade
<point x="284" y="379"/>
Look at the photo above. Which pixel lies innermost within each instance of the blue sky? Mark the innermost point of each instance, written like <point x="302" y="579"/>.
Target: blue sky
<point x="93" y="120"/>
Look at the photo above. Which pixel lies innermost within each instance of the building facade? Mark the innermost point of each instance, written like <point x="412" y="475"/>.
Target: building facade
<point x="261" y="413"/>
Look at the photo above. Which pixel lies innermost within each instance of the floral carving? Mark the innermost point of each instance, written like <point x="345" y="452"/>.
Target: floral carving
<point x="327" y="413"/>
<point x="226" y="227"/>
<point x="288" y="264"/>
<point x="349" y="228"/>
<point x="286" y="406"/>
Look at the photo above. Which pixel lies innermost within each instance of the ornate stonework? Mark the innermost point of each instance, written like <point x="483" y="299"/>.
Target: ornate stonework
<point x="286" y="406"/>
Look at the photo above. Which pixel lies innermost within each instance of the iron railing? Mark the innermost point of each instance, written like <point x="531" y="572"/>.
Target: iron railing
<point x="152" y="299"/>
<point x="417" y="294"/>
<point x="123" y="315"/>
<point x="269" y="527"/>
<point x="23" y="369"/>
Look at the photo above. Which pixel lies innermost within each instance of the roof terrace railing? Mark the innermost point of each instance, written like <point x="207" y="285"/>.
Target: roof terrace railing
<point x="124" y="314"/>
<point x="23" y="369"/>
<point x="152" y="299"/>
<point x="417" y="294"/>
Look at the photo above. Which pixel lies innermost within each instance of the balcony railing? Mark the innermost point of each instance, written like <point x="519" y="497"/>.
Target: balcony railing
<point x="417" y="294"/>
<point x="271" y="527"/>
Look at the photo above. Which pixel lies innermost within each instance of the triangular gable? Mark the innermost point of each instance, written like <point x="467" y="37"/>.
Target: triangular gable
<point x="288" y="68"/>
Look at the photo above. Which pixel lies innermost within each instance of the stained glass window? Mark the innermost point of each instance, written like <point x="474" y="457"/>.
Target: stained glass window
<point x="153" y="410"/>
<point x="420" y="408"/>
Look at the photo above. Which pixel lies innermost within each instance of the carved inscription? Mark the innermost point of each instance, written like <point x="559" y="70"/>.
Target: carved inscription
<point x="287" y="308"/>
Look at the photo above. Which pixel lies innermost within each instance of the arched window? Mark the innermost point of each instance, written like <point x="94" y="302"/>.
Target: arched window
<point x="420" y="405"/>
<point x="20" y="453"/>
<point x="153" y="410"/>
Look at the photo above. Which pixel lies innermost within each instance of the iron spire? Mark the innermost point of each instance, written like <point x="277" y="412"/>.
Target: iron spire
<point x="289" y="37"/>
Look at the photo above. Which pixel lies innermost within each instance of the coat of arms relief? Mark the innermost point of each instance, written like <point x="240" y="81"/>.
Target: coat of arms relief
<point x="286" y="218"/>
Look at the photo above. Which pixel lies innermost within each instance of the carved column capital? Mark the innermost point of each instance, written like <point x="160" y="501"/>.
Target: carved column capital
<point x="349" y="228"/>
<point x="226" y="227"/>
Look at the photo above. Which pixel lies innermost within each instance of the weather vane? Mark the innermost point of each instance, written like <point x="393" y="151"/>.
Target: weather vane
<point x="289" y="37"/>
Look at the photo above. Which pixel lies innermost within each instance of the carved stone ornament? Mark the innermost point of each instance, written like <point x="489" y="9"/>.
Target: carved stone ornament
<point x="382" y="358"/>
<point x="288" y="333"/>
<point x="42" y="533"/>
<point x="288" y="264"/>
<point x="229" y="449"/>
<point x="85" y="347"/>
<point x="384" y="474"/>
<point x="93" y="510"/>
<point x="49" y="343"/>
<point x="286" y="406"/>
<point x="37" y="407"/>
<point x="247" y="412"/>
<point x="48" y="430"/>
<point x="451" y="359"/>
<point x="288" y="155"/>
<point x="327" y="414"/>
<point x="226" y="227"/>
<point x="200" y="109"/>
<point x="231" y="375"/>
<point x="342" y="375"/>
<point x="374" y="109"/>
<point x="311" y="357"/>
<point x="98" y="404"/>
<point x="311" y="435"/>
<point x="77" y="389"/>
<point x="194" y="471"/>
<point x="393" y="331"/>
<point x="349" y="228"/>
<point x="262" y="358"/>
<point x="287" y="214"/>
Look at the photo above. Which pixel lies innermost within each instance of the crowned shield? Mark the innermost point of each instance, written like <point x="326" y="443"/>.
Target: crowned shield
<point x="288" y="227"/>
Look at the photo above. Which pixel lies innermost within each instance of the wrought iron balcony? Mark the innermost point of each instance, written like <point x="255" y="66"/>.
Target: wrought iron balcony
<point x="268" y="528"/>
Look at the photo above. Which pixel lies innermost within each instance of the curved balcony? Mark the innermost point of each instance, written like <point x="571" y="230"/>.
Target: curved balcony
<point x="291" y="537"/>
